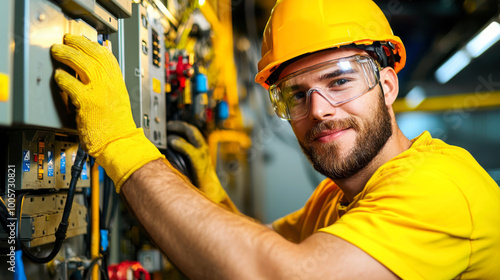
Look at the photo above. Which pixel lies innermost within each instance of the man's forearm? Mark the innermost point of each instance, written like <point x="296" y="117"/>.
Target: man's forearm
<point x="204" y="240"/>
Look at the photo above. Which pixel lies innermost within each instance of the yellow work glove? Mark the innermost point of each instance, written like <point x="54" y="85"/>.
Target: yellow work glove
<point x="104" y="118"/>
<point x="196" y="149"/>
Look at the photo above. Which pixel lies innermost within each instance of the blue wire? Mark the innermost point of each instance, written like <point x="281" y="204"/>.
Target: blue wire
<point x="19" y="273"/>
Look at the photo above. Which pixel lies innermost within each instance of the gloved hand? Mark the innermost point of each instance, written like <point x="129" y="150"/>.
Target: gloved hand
<point x="104" y="118"/>
<point x="196" y="149"/>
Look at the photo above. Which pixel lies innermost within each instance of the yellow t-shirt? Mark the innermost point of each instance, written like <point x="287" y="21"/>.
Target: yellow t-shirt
<point x="431" y="212"/>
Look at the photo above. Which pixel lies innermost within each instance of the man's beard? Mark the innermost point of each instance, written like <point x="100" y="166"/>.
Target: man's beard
<point x="370" y="139"/>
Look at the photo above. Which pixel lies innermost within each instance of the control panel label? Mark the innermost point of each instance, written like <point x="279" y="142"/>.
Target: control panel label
<point x="26" y="161"/>
<point x="62" y="166"/>
<point x="50" y="164"/>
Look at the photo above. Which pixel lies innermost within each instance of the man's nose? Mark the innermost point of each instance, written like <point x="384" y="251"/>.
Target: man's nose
<point x="320" y="108"/>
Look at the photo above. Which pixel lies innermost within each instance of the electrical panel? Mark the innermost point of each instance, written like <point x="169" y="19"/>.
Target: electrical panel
<point x="41" y="217"/>
<point x="39" y="24"/>
<point x="6" y="39"/>
<point x="42" y="159"/>
<point x="145" y="70"/>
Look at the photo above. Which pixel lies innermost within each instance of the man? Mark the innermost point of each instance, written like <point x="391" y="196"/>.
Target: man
<point x="391" y="208"/>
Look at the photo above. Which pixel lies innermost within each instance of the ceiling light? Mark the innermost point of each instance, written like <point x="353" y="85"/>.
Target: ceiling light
<point x="477" y="46"/>
<point x="484" y="40"/>
<point x="451" y="67"/>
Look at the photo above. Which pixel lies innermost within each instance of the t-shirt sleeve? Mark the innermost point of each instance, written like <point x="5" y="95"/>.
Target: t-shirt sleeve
<point x="417" y="224"/>
<point x="289" y="226"/>
<point x="292" y="226"/>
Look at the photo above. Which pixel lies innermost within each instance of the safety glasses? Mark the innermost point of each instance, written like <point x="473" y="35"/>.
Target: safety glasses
<point x="338" y="81"/>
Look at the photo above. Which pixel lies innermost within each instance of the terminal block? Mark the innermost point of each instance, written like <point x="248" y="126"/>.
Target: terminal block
<point x="42" y="159"/>
<point x="41" y="217"/>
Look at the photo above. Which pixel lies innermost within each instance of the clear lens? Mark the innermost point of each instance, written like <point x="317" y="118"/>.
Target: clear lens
<point x="338" y="81"/>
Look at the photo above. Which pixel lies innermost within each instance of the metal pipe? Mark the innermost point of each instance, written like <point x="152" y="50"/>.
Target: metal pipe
<point x="468" y="101"/>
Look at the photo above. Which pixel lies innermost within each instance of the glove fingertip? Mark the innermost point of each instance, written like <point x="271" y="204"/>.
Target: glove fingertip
<point x="71" y="39"/>
<point x="174" y="126"/>
<point x="176" y="141"/>
<point x="180" y="145"/>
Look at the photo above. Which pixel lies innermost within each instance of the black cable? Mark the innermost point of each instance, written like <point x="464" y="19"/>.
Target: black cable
<point x="107" y="188"/>
<point x="88" y="273"/>
<point x="4" y="214"/>
<point x="86" y="202"/>
<point x="181" y="163"/>
<point x="60" y="234"/>
<point x="104" y="262"/>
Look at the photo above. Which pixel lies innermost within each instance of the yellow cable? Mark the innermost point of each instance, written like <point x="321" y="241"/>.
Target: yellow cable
<point x="94" y="230"/>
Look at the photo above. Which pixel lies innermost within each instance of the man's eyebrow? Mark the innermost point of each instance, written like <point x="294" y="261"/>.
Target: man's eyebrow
<point x="336" y="73"/>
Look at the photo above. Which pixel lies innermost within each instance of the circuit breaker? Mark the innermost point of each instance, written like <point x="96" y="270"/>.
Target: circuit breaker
<point x="42" y="159"/>
<point x="145" y="70"/>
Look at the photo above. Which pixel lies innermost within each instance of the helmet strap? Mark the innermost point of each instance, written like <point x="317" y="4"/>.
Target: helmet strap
<point x="382" y="52"/>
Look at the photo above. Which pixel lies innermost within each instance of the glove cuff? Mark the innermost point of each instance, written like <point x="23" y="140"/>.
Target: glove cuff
<point x="122" y="157"/>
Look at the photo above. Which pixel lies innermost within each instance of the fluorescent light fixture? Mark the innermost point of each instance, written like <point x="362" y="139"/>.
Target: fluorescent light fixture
<point x="484" y="40"/>
<point x="166" y="12"/>
<point x="477" y="46"/>
<point x="415" y="97"/>
<point x="451" y="67"/>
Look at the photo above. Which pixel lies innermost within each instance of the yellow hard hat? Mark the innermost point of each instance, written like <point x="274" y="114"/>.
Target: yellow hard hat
<point x="298" y="27"/>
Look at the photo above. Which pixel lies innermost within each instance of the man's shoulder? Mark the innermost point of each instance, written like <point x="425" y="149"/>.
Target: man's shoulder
<point x="436" y="168"/>
<point x="431" y="159"/>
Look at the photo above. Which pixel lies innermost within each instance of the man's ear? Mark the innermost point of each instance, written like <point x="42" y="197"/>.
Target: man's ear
<point x="390" y="84"/>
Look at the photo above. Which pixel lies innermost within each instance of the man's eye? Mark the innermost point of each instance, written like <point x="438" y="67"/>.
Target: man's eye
<point x="339" y="82"/>
<point x="296" y="96"/>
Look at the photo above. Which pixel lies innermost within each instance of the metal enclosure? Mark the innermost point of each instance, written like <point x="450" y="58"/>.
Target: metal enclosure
<point x="91" y="12"/>
<point x="145" y="71"/>
<point x="120" y="8"/>
<point x="38" y="25"/>
<point x="6" y="52"/>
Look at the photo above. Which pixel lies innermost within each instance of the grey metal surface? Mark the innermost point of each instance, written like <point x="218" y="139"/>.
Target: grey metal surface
<point x="6" y="52"/>
<point x="120" y="8"/>
<point x="38" y="25"/>
<point x="92" y="13"/>
<point x="148" y="102"/>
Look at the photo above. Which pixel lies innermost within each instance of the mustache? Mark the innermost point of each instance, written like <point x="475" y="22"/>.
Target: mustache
<point x="339" y="124"/>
